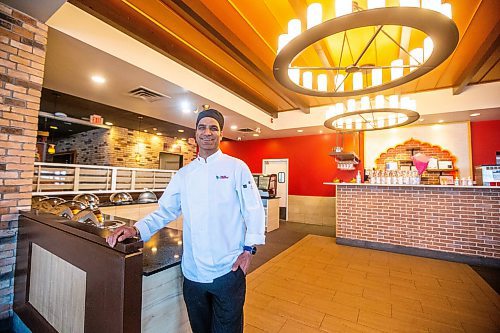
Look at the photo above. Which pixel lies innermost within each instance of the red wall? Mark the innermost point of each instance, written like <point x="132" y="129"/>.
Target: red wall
<point x="485" y="137"/>
<point x="309" y="162"/>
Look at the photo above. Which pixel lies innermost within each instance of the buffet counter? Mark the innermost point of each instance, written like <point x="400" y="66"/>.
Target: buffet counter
<point x="69" y="280"/>
<point x="460" y="223"/>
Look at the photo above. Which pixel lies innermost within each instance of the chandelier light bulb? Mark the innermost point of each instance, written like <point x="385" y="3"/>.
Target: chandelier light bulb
<point x="357" y="81"/>
<point x="331" y="112"/>
<point x="322" y="82"/>
<point x="359" y="124"/>
<point x="339" y="82"/>
<point x="428" y="47"/>
<point x="379" y="102"/>
<point x="348" y="124"/>
<point x="376" y="76"/>
<point x="376" y="4"/>
<point x="365" y="103"/>
<point x="314" y="15"/>
<point x="397" y="69"/>
<point x="446" y="10"/>
<point x="380" y="122"/>
<point x="416" y="58"/>
<point x="394" y="101"/>
<point x="405" y="102"/>
<point x="294" y="28"/>
<point x="409" y="3"/>
<point x="307" y="80"/>
<point x="283" y="39"/>
<point x="294" y="74"/>
<point x="351" y="105"/>
<point x="339" y="108"/>
<point x="432" y="5"/>
<point x="343" y="7"/>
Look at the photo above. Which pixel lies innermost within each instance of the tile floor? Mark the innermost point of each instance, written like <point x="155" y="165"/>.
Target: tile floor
<point x="319" y="286"/>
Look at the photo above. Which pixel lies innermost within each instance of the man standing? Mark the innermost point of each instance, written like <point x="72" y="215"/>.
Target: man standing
<point x="223" y="218"/>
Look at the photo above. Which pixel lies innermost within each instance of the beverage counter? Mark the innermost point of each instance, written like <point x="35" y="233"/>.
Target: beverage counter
<point x="460" y="223"/>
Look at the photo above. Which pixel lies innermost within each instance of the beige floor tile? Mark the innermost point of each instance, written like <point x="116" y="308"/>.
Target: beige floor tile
<point x="292" y="326"/>
<point x="359" y="302"/>
<point x="252" y="329"/>
<point x="319" y="286"/>
<point x="390" y="325"/>
<point x="280" y="291"/>
<point x="337" y="325"/>
<point x="263" y="319"/>
<point x="300" y="313"/>
<point x="257" y="300"/>
<point x="339" y="310"/>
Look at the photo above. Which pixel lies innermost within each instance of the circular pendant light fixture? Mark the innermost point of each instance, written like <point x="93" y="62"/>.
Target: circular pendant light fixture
<point x="354" y="77"/>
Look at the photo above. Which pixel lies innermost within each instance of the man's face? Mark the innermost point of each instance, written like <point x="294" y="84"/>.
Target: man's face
<point x="208" y="135"/>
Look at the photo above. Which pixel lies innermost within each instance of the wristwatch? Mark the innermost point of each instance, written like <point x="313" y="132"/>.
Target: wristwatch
<point x="251" y="249"/>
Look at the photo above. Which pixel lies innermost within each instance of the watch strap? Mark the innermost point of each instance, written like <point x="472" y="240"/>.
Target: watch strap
<point x="251" y="249"/>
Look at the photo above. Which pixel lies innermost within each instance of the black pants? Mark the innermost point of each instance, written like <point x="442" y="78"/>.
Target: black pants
<point x="216" y="307"/>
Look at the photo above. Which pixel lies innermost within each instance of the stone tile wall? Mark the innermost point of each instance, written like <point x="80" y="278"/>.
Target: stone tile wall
<point x="119" y="146"/>
<point x="22" y="58"/>
<point x="312" y="210"/>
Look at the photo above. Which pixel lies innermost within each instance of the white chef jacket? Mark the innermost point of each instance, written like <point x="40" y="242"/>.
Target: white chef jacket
<point x="222" y="211"/>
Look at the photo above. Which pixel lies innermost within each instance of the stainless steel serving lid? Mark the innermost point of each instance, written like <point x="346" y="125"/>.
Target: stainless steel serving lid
<point x="88" y="199"/>
<point x="147" y="196"/>
<point x="120" y="198"/>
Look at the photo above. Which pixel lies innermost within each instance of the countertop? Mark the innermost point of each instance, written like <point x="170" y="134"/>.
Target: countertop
<point x="421" y="185"/>
<point x="162" y="251"/>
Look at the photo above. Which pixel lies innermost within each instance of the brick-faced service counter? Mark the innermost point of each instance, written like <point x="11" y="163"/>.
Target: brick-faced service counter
<point x="459" y="223"/>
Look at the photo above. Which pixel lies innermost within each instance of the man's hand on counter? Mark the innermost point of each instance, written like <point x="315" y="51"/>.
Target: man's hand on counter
<point x="120" y="234"/>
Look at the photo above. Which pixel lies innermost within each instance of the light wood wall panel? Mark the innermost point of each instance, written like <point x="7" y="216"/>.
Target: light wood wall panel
<point x="163" y="308"/>
<point x="57" y="291"/>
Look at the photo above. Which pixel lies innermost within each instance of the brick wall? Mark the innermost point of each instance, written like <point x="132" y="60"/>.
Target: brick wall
<point x="402" y="154"/>
<point x="22" y="58"/>
<point x="450" y="219"/>
<point x="119" y="146"/>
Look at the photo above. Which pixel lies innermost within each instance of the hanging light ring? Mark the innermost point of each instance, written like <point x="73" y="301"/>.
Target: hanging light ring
<point x="411" y="116"/>
<point x="442" y="30"/>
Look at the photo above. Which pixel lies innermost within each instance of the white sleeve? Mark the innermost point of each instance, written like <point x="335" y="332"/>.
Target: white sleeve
<point x="251" y="207"/>
<point x="169" y="209"/>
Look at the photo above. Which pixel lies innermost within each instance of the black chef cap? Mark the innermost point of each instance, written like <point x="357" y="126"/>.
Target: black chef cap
<point x="212" y="113"/>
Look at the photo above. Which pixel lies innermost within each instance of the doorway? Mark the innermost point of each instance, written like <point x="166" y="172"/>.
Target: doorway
<point x="280" y="168"/>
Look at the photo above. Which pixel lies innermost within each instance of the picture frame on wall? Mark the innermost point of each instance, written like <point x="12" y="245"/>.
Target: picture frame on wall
<point x="433" y="164"/>
<point x="446" y="180"/>
<point x="445" y="165"/>
<point x="393" y="165"/>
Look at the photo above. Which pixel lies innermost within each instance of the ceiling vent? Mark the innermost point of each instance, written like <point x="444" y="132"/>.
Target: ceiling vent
<point x="247" y="130"/>
<point x="147" y="94"/>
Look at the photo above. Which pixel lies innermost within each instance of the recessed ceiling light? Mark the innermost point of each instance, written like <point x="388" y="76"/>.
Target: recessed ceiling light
<point x="145" y="131"/>
<point x="155" y="129"/>
<point x="234" y="127"/>
<point x="108" y="123"/>
<point x="60" y="114"/>
<point x="255" y="134"/>
<point x="98" y="79"/>
<point x="300" y="131"/>
<point x="158" y="133"/>
<point x="421" y="119"/>
<point x="441" y="121"/>
<point x="180" y="130"/>
<point x="475" y="114"/>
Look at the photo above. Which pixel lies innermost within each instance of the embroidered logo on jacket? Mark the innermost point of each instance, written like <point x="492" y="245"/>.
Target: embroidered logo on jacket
<point x="221" y="177"/>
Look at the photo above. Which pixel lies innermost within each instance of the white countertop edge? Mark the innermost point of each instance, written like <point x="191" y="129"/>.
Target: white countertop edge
<point x="397" y="185"/>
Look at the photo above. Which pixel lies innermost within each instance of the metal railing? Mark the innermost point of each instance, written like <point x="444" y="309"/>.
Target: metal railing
<point x="55" y="178"/>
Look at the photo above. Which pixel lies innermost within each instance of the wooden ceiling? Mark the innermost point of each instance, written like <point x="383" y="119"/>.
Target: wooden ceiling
<point x="233" y="43"/>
